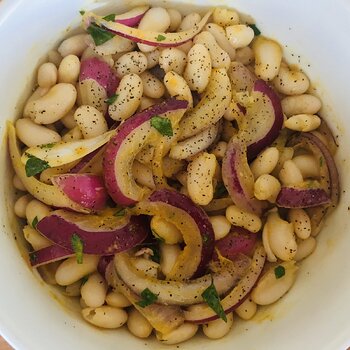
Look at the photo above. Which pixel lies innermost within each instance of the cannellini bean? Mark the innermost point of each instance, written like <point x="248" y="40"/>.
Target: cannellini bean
<point x="70" y="271"/>
<point x="89" y="52"/>
<point x="53" y="105"/>
<point x="36" y="210"/>
<point x="149" y="267"/>
<point x="186" y="47"/>
<point x="131" y="62"/>
<point x="182" y="177"/>
<point x="291" y="82"/>
<point x="168" y="256"/>
<point x="268" y="57"/>
<point x="189" y="21"/>
<point x="245" y="55"/>
<point x="68" y="120"/>
<point x="73" y="290"/>
<point x="138" y="325"/>
<point x="301" y="222"/>
<point x="90" y="121"/>
<point x="220" y="36"/>
<point x="186" y="331"/>
<point x="198" y="69"/>
<point x="129" y="94"/>
<point x="32" y="134"/>
<point x="47" y="75"/>
<point x="280" y="234"/>
<point x="156" y="19"/>
<point x="303" y="122"/>
<point x="286" y="153"/>
<point x="69" y="69"/>
<point x="91" y="93"/>
<point x="166" y="230"/>
<point x="225" y="17"/>
<point x="82" y="303"/>
<point x="105" y="316"/>
<point x="308" y="165"/>
<point x="175" y="19"/>
<point x="265" y="162"/>
<point x="152" y="86"/>
<point x="267" y="187"/>
<point x="305" y="248"/>
<point x="240" y="35"/>
<point x="242" y="218"/>
<point x="290" y="174"/>
<point x="221" y="226"/>
<point x="172" y="166"/>
<point x="219" y="150"/>
<point x="143" y="174"/>
<point x="271" y="257"/>
<point x="117" y="299"/>
<point x="152" y="58"/>
<point x="39" y="92"/>
<point x="219" y="328"/>
<point x="177" y="86"/>
<point x="147" y="102"/>
<point x="73" y="135"/>
<point x="301" y="104"/>
<point x="270" y="288"/>
<point x="17" y="183"/>
<point x="21" y="205"/>
<point x="173" y="59"/>
<point x="219" y="57"/>
<point x="54" y="57"/>
<point x="247" y="309"/>
<point x="200" y="176"/>
<point x="94" y="290"/>
<point x="115" y="45"/>
<point x="75" y="45"/>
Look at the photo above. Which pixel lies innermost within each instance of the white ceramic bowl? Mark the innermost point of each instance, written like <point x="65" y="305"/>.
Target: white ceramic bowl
<point x="316" y="312"/>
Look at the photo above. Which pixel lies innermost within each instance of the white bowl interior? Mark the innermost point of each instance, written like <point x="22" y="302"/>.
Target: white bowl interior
<point x="315" y="312"/>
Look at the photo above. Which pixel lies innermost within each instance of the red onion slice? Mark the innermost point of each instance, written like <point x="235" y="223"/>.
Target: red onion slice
<point x="133" y="17"/>
<point x="49" y="255"/>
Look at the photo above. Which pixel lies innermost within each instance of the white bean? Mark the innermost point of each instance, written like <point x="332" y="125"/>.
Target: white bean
<point x="219" y="57"/>
<point x="39" y="92"/>
<point x="198" y="69"/>
<point x="152" y="86"/>
<point x="221" y="226"/>
<point x="308" y="165"/>
<point x="290" y="174"/>
<point x="138" y="325"/>
<point x="54" y="105"/>
<point x="301" y="104"/>
<point x="268" y="57"/>
<point x="271" y="257"/>
<point x="91" y="93"/>
<point x="267" y="187"/>
<point x="73" y="290"/>
<point x="152" y="58"/>
<point x="156" y="19"/>
<point x="69" y="69"/>
<point x="70" y="271"/>
<point x="131" y="62"/>
<point x="173" y="59"/>
<point x="54" y="57"/>
<point x="75" y="45"/>
<point x="291" y="82"/>
<point x="184" y="332"/>
<point x="242" y="218"/>
<point x="105" y="316"/>
<point x="303" y="122"/>
<point x="286" y="153"/>
<point x="47" y="75"/>
<point x="32" y="134"/>
<point x="189" y="21"/>
<point x="305" y="248"/>
<point x="301" y="222"/>
<point x="168" y="256"/>
<point x="17" y="183"/>
<point x="240" y="35"/>
<point x="245" y="55"/>
<point x="177" y="86"/>
<point x="219" y="150"/>
<point x="36" y="210"/>
<point x="129" y="94"/>
<point x="73" y="135"/>
<point x="147" y="102"/>
<point x="175" y="19"/>
<point x="270" y="288"/>
<point x="219" y="328"/>
<point x="89" y="52"/>
<point x="115" y="45"/>
<point x="68" y="120"/>
<point x="186" y="47"/>
<point x="246" y="310"/>
<point x="117" y="299"/>
<point x="90" y="121"/>
<point x="21" y="205"/>
<point x="265" y="162"/>
<point x="201" y="172"/>
<point x="149" y="267"/>
<point x="143" y="175"/>
<point x="94" y="290"/>
<point x="166" y="230"/>
<point x="225" y="17"/>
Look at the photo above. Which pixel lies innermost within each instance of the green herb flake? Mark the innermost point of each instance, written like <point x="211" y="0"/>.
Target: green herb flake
<point x="35" y="222"/>
<point x="321" y="162"/>
<point x="99" y="35"/>
<point x="156" y="255"/>
<point x="84" y="280"/>
<point x="148" y="298"/>
<point x="120" y="212"/>
<point x="280" y="271"/>
<point x="256" y="30"/>
<point x="211" y="297"/>
<point x="110" y="18"/>
<point x="77" y="246"/>
<point x="220" y="190"/>
<point x="111" y="100"/>
<point x="47" y="145"/>
<point x="163" y="125"/>
<point x="82" y="12"/>
<point x="33" y="257"/>
<point x="160" y="37"/>
<point x="35" y="165"/>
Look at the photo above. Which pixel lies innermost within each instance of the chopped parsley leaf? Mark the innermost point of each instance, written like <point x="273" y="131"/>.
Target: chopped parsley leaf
<point x="211" y="297"/>
<point x="35" y="165"/>
<point x="84" y="280"/>
<point x="156" y="255"/>
<point x="163" y="125"/>
<point x="77" y="246"/>
<point x="321" y="162"/>
<point x="35" y="222"/>
<point x="120" y="212"/>
<point x="33" y="257"/>
<point x="148" y="298"/>
<point x="47" y="145"/>
<point x="160" y="37"/>
<point x="280" y="271"/>
<point x="220" y="190"/>
<point x="256" y="30"/>
<point x="110" y="100"/>
<point x="110" y="18"/>
<point x="99" y="35"/>
<point x="82" y="12"/>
